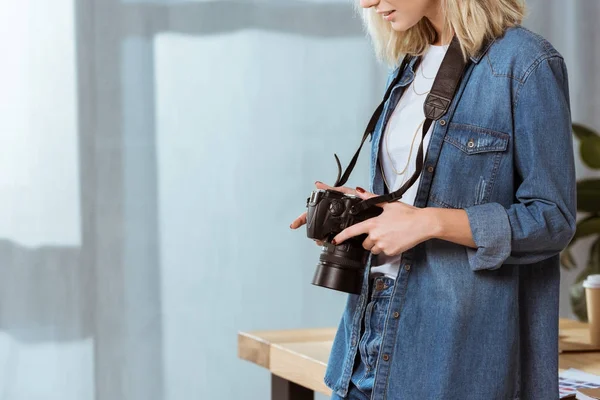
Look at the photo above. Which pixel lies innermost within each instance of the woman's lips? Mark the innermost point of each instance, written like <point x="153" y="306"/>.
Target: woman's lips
<point x="389" y="15"/>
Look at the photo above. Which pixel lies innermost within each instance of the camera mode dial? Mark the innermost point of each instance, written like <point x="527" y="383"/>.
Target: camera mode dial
<point x="336" y="207"/>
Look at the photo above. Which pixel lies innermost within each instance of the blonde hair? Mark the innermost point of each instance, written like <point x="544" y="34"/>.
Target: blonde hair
<point x="473" y="21"/>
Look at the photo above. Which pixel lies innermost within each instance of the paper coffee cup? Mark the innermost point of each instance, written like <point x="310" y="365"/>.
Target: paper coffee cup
<point x="592" y="298"/>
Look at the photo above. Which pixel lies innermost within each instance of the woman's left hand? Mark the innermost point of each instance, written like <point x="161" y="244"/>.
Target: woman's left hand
<point x="398" y="228"/>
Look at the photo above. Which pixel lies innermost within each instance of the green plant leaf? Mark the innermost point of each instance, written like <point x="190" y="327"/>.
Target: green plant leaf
<point x="583" y="132"/>
<point x="594" y="260"/>
<point x="567" y="260"/>
<point x="590" y="152"/>
<point x="578" y="303"/>
<point x="588" y="195"/>
<point x="593" y="264"/>
<point x="586" y="227"/>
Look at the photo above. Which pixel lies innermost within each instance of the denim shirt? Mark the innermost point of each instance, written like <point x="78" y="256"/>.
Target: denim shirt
<point x="481" y="323"/>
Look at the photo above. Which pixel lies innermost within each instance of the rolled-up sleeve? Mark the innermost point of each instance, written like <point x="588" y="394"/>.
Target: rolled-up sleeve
<point x="541" y="222"/>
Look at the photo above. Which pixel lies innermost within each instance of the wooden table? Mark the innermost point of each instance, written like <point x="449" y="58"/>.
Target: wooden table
<point x="297" y="358"/>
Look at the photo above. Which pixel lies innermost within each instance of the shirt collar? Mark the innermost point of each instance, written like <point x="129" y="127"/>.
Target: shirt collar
<point x="484" y="48"/>
<point x="475" y="58"/>
<point x="409" y="73"/>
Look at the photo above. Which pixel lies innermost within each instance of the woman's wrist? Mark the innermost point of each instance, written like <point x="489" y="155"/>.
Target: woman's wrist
<point x="448" y="224"/>
<point x="434" y="224"/>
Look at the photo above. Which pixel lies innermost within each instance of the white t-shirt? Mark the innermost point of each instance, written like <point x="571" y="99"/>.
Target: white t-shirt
<point x="405" y="124"/>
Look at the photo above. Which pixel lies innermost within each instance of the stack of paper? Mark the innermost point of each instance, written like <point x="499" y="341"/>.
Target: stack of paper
<point x="572" y="379"/>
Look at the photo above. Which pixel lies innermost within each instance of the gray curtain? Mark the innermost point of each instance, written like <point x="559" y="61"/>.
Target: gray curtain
<point x="153" y="156"/>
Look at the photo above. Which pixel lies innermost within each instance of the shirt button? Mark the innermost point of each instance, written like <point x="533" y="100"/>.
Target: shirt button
<point x="430" y="169"/>
<point x="470" y="143"/>
<point x="396" y="314"/>
<point x="442" y="122"/>
<point x="407" y="267"/>
<point x="386" y="357"/>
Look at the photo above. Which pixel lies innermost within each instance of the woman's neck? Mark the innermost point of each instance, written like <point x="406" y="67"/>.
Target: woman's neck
<point x="436" y="17"/>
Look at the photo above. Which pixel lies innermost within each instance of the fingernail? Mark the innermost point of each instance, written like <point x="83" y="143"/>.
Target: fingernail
<point x="333" y="242"/>
<point x="290" y="226"/>
<point x="360" y="190"/>
<point x="318" y="182"/>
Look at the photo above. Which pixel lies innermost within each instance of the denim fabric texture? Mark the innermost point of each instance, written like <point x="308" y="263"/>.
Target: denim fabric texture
<point x="353" y="394"/>
<point x="481" y="323"/>
<point x="363" y="377"/>
<point x="370" y="342"/>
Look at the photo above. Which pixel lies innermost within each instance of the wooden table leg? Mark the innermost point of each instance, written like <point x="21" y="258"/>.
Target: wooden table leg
<point x="282" y="389"/>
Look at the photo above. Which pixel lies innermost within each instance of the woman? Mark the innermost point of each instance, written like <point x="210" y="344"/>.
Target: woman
<point x="463" y="297"/>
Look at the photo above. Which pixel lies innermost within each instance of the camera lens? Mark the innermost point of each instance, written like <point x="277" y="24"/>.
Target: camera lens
<point x="341" y="267"/>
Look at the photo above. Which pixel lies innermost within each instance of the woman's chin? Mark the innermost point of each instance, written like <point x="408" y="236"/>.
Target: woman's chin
<point x="400" y="26"/>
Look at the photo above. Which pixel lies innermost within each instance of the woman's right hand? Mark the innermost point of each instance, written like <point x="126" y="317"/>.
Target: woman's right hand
<point x="301" y="220"/>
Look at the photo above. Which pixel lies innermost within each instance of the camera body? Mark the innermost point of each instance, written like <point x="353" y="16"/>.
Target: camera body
<point x="328" y="213"/>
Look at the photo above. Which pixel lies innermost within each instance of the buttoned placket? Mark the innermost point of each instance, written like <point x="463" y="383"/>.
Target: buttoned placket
<point x="386" y="352"/>
<point x="362" y="301"/>
<point x="397" y="91"/>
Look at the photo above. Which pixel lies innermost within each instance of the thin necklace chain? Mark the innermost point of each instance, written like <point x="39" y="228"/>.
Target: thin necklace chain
<point x="415" y="90"/>
<point x="387" y="149"/>
<point x="392" y="162"/>
<point x="423" y="73"/>
<point x="415" y="80"/>
<point x="385" y="180"/>
<point x="412" y="143"/>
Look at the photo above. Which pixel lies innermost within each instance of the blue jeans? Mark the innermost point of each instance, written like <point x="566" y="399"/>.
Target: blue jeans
<point x="363" y="376"/>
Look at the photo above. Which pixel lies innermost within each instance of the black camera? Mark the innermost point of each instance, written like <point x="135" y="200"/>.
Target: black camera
<point x="328" y="213"/>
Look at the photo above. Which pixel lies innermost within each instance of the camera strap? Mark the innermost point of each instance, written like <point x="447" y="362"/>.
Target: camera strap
<point x="436" y="106"/>
<point x="370" y="127"/>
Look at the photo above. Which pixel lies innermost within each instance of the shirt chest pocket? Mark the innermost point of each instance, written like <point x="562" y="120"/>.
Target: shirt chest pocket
<point x="468" y="165"/>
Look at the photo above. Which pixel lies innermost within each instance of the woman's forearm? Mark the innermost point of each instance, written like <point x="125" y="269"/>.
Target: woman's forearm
<point x="450" y="224"/>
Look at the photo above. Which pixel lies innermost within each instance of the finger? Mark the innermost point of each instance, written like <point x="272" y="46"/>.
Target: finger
<point x="343" y="189"/>
<point x="351" y="231"/>
<point x="368" y="243"/>
<point x="363" y="194"/>
<point x="375" y="249"/>
<point x="298" y="222"/>
<point x="318" y="242"/>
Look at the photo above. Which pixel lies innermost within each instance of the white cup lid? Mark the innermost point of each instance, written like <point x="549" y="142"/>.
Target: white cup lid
<point x="592" y="282"/>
